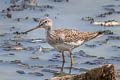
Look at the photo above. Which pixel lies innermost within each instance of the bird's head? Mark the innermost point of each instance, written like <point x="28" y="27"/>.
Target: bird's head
<point x="45" y="23"/>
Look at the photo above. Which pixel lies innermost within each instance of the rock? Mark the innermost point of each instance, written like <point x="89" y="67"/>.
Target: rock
<point x="104" y="72"/>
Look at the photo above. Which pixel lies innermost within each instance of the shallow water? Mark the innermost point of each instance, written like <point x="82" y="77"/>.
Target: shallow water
<point x="24" y="52"/>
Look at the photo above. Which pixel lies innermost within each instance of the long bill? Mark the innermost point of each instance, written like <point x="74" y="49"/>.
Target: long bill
<point x="38" y="26"/>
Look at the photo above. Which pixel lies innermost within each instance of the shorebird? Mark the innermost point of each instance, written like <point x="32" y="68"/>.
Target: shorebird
<point x="64" y="39"/>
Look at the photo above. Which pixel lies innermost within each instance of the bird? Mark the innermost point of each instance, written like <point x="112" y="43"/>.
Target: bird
<point x="64" y="39"/>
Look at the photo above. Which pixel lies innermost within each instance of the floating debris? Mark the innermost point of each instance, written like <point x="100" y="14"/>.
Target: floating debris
<point x="20" y="72"/>
<point x="88" y="18"/>
<point x="106" y="23"/>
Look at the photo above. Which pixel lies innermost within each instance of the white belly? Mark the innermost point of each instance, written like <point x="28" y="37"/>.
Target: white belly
<point x="67" y="46"/>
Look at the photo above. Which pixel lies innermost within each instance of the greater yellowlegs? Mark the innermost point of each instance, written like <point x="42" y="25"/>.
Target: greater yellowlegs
<point x="64" y="39"/>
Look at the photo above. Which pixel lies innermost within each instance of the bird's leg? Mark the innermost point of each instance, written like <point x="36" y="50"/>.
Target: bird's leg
<point x="70" y="69"/>
<point x="62" y="67"/>
<point x="63" y="56"/>
<point x="71" y="58"/>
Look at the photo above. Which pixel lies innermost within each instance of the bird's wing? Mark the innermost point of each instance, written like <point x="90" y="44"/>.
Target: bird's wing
<point x="70" y="35"/>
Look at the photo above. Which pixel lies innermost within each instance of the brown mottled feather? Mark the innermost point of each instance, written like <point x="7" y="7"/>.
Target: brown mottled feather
<point x="70" y="35"/>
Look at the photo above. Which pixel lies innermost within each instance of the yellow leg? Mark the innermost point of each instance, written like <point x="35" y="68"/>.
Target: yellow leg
<point x="63" y="57"/>
<point x="71" y="58"/>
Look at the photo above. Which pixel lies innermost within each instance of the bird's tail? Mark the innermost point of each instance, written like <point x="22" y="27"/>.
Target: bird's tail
<point x="104" y="32"/>
<point x="100" y="33"/>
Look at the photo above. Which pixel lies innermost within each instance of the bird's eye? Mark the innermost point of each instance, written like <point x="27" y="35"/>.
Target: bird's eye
<point x="46" y="21"/>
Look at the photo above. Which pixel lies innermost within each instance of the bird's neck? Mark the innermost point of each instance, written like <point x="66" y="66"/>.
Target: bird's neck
<point x="48" y="30"/>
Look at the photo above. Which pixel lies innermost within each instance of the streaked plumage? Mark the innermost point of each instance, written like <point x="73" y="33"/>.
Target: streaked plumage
<point x="64" y="39"/>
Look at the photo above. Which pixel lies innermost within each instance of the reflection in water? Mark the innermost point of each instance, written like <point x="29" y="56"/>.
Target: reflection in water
<point x="62" y="73"/>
